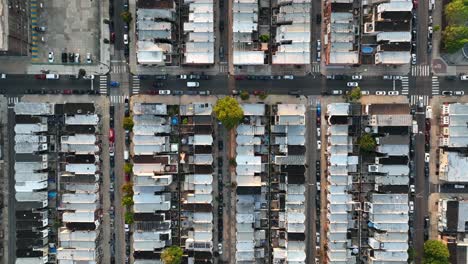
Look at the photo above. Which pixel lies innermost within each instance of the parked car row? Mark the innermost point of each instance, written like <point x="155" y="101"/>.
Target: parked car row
<point x="178" y="92"/>
<point x="264" y="77"/>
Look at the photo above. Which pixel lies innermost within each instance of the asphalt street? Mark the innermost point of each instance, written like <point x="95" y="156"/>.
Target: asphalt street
<point x="421" y="186"/>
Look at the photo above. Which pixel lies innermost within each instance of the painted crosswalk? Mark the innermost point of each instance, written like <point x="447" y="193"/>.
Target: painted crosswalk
<point x="12" y="101"/>
<point x="435" y="85"/>
<point x="135" y="84"/>
<point x="420" y="70"/>
<point x="404" y="85"/>
<point x="103" y="84"/>
<point x="223" y="67"/>
<point x="119" y="68"/>
<point x="34" y="35"/>
<point x="316" y="67"/>
<point x="118" y="99"/>
<point x="420" y="100"/>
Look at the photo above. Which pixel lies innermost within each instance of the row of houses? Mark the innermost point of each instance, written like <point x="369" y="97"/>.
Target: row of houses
<point x="383" y="34"/>
<point x="79" y="179"/>
<point x="31" y="180"/>
<point x="368" y="203"/>
<point x="154" y="169"/>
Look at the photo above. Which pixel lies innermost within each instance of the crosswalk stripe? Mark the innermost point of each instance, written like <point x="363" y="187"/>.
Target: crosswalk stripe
<point x="118" y="99"/>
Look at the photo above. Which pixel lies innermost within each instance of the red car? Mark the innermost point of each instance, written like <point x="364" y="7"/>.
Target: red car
<point x="111" y="135"/>
<point x="415" y="3"/>
<point x="257" y="92"/>
<point x="240" y="77"/>
<point x="127" y="177"/>
<point x="39" y="76"/>
<point x="68" y="91"/>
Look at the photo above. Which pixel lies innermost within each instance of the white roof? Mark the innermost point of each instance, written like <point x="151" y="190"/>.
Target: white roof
<point x="27" y="108"/>
<point x="392" y="57"/>
<point x="395" y="6"/>
<point x="394" y="36"/>
<point x="253" y="109"/>
<point x="248" y="57"/>
<point x="82" y="119"/>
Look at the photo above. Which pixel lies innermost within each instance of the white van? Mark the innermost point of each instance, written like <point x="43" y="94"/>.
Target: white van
<point x="126" y="154"/>
<point x="193" y="84"/>
<point x="52" y="76"/>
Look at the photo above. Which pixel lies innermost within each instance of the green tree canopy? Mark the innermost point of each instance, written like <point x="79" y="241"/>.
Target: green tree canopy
<point x="455" y="37"/>
<point x="264" y="38"/>
<point x="128" y="167"/>
<point x="244" y="95"/>
<point x="128" y="123"/>
<point x="126" y="16"/>
<point x="127" y="200"/>
<point x="228" y="111"/>
<point x="172" y="255"/>
<point x="354" y="94"/>
<point x="129" y="218"/>
<point x="81" y="72"/>
<point x="366" y="142"/>
<point x="456" y="12"/>
<point x="436" y="252"/>
<point x="127" y="188"/>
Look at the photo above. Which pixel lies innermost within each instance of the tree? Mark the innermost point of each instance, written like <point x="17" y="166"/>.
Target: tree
<point x="126" y="16"/>
<point x="436" y="28"/>
<point x="81" y="72"/>
<point x="456" y="12"/>
<point x="127" y="200"/>
<point x="354" y="95"/>
<point x="128" y="167"/>
<point x="129" y="218"/>
<point x="244" y="95"/>
<point x="106" y="21"/>
<point x="228" y="111"/>
<point x="128" y="123"/>
<point x="232" y="162"/>
<point x="263" y="96"/>
<point x="366" y="142"/>
<point x="264" y="38"/>
<point x="455" y="37"/>
<point x="172" y="255"/>
<point x="435" y="252"/>
<point x="106" y="41"/>
<point x="127" y="188"/>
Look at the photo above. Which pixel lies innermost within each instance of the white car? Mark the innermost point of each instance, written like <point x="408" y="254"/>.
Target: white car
<point x="429" y="29"/>
<point x="164" y="92"/>
<point x="393" y="93"/>
<point x="183" y="77"/>
<point x="288" y="77"/>
<point x="412" y="188"/>
<point x="89" y="60"/>
<point x="220" y="248"/>
<point x="77" y="58"/>
<point x="125" y="39"/>
<point x="413" y="59"/>
<point x="427" y="157"/>
<point x="464" y="77"/>
<point x="127" y="228"/>
<point x="364" y="92"/>
<point x="380" y="93"/>
<point x="88" y="77"/>
<point x="356" y="77"/>
<point x="337" y="92"/>
<point x="3" y="76"/>
<point x="411" y="206"/>
<point x="459" y="93"/>
<point x="51" y="57"/>
<point x="319" y="144"/>
<point x="318" y="131"/>
<point x="352" y="84"/>
<point x="319" y="46"/>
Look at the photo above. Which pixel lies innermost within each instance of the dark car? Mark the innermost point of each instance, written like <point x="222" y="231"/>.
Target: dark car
<point x="205" y="77"/>
<point x="40" y="76"/>
<point x="318" y="19"/>
<point x="220" y="145"/>
<point x="294" y="92"/>
<point x="127" y="108"/>
<point x="71" y="57"/>
<point x="177" y="92"/>
<point x="450" y="78"/>
<point x="221" y="25"/>
<point x="426" y="221"/>
<point x="64" y="57"/>
<point x="191" y="92"/>
<point x="447" y="93"/>
<point x="220" y="162"/>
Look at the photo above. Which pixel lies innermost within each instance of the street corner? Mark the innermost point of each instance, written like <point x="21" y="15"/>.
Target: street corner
<point x="439" y="66"/>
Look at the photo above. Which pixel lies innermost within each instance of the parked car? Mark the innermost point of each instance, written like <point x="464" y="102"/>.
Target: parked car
<point x="412" y="189"/>
<point x="459" y="93"/>
<point x="111" y="135"/>
<point x="64" y="57"/>
<point x="352" y="84"/>
<point x="288" y="77"/>
<point x="447" y="93"/>
<point x="125" y="39"/>
<point x="380" y="93"/>
<point x="77" y="58"/>
<point x="194" y="77"/>
<point x="318" y="131"/>
<point x="204" y="92"/>
<point x="319" y="45"/>
<point x="411" y="206"/>
<point x="393" y="92"/>
<point x="177" y="92"/>
<point x="88" y="77"/>
<point x="164" y="92"/>
<point x="319" y="144"/>
<point x="89" y="60"/>
<point x="427" y="157"/>
<point x="40" y="76"/>
<point x="413" y="59"/>
<point x="220" y="145"/>
<point x="464" y="77"/>
<point x="51" y="57"/>
<point x="364" y="92"/>
<point x="356" y="77"/>
<point x="158" y="84"/>
<point x="337" y="92"/>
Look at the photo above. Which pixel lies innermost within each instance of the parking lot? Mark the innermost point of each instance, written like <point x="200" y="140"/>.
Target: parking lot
<point x="67" y="26"/>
